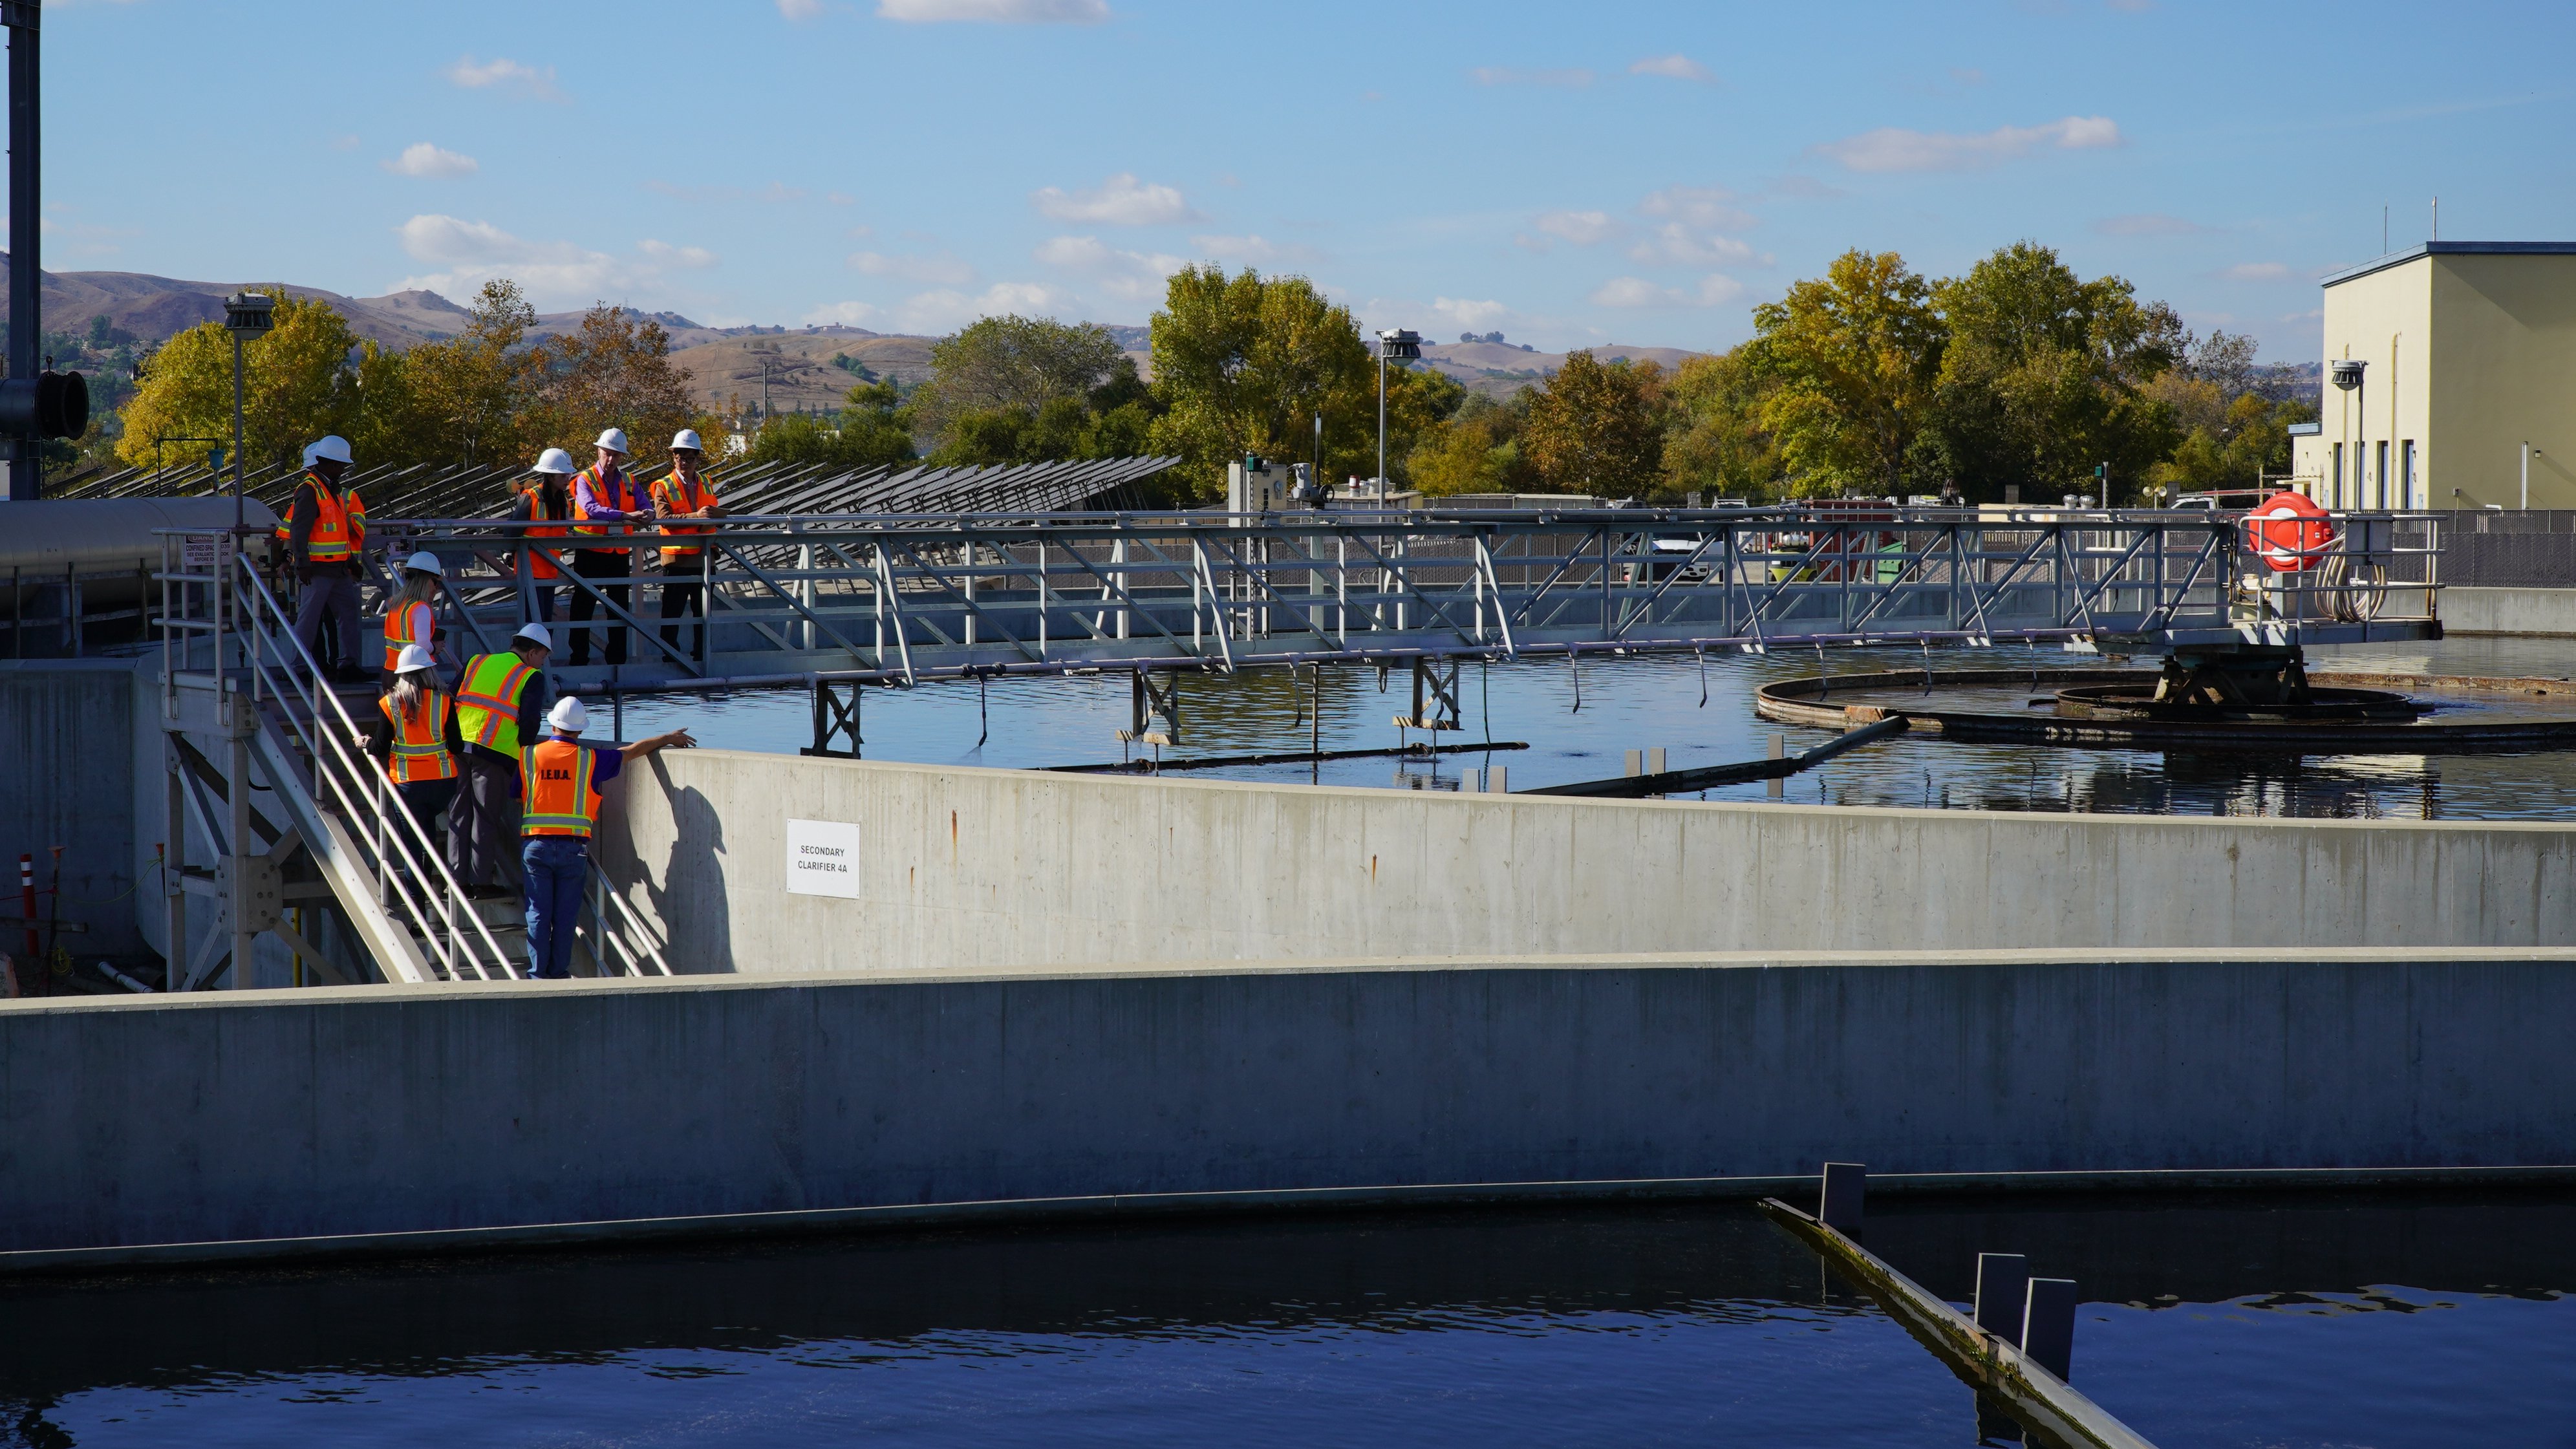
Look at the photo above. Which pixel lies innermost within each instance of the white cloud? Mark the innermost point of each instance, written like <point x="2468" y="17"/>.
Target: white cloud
<point x="466" y="254"/>
<point x="2256" y="272"/>
<point x="1890" y="148"/>
<point x="998" y="12"/>
<point x="1583" y="228"/>
<point x="842" y="314"/>
<point x="425" y="159"/>
<point x="1125" y="275"/>
<point x="1703" y="207"/>
<point x="1467" y="314"/>
<point x="1488" y="75"/>
<point x="504" y="75"/>
<point x="1677" y="245"/>
<point x="946" y="311"/>
<point x="1254" y="250"/>
<point x="1122" y="200"/>
<point x="800" y="9"/>
<point x="1674" y="67"/>
<point x="665" y="254"/>
<point x="945" y="269"/>
<point x="2149" y="223"/>
<point x="1714" y="290"/>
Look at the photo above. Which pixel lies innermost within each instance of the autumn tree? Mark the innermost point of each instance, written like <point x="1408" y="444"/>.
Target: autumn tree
<point x="1476" y="450"/>
<point x="615" y="370"/>
<point x="873" y="430"/>
<point x="2234" y="428"/>
<point x="297" y="381"/>
<point x="1594" y="429"/>
<point x="467" y="399"/>
<point x="1854" y="361"/>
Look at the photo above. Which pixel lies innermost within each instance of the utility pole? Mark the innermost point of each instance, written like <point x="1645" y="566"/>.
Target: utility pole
<point x="26" y="219"/>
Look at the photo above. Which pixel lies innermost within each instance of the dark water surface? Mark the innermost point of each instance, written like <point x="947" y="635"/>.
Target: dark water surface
<point x="2295" y="1321"/>
<point x="1653" y="701"/>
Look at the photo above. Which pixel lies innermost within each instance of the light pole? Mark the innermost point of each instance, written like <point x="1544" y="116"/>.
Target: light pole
<point x="1394" y="343"/>
<point x="2347" y="376"/>
<point x="247" y="315"/>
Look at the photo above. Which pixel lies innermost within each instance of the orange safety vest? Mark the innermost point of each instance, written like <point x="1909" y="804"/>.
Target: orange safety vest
<point x="339" y="522"/>
<point x="542" y="562"/>
<point x="682" y="496"/>
<point x="625" y="493"/>
<point x="420" y="744"/>
<point x="413" y="623"/>
<point x="561" y="798"/>
<point x="487" y="700"/>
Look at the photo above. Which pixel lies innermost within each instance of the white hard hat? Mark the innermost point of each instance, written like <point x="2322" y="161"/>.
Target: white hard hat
<point x="614" y="440"/>
<point x="556" y="460"/>
<point x="568" y="716"/>
<point x="687" y="438"/>
<point x="414" y="657"/>
<point x="535" y="634"/>
<point x="425" y="562"/>
<point x="330" y="446"/>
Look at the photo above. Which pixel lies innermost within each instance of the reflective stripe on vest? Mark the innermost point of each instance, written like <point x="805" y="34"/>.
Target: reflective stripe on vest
<point x="487" y="702"/>
<point x="420" y="745"/>
<point x="682" y="496"/>
<point x="339" y="524"/>
<point x="413" y="623"/>
<point x="561" y="799"/>
<point x="623" y="494"/>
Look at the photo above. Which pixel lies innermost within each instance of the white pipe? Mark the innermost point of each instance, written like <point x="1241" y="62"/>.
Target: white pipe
<point x="121" y="979"/>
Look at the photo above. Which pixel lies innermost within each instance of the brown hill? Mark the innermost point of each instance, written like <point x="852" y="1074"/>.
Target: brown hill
<point x="799" y="366"/>
<point x="1500" y="369"/>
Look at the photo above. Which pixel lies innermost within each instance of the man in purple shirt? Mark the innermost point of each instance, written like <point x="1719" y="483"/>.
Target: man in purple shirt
<point x="604" y="500"/>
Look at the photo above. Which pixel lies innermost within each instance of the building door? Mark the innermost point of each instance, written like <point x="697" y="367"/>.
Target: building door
<point x="2409" y="487"/>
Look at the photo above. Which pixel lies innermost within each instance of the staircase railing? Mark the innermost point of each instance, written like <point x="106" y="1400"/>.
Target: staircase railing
<point x="409" y="874"/>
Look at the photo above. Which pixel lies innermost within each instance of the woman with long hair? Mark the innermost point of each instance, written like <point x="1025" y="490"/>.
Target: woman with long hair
<point x="545" y="504"/>
<point x="415" y="738"/>
<point x="411" y="616"/>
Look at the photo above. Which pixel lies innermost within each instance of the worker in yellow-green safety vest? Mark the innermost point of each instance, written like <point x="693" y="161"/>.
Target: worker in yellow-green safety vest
<point x="500" y="701"/>
<point x="565" y="778"/>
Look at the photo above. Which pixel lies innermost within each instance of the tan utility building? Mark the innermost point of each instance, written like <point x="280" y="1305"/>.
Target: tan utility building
<point x="2467" y="354"/>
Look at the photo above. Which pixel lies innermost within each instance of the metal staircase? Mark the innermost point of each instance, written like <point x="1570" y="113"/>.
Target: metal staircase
<point x="267" y="767"/>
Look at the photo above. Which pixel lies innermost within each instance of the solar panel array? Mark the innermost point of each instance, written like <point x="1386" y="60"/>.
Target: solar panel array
<point x="452" y="491"/>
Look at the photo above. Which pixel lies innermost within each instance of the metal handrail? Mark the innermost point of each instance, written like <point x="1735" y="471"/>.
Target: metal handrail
<point x="350" y="782"/>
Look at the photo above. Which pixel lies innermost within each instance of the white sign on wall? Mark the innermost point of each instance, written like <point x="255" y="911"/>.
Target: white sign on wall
<point x="823" y="858"/>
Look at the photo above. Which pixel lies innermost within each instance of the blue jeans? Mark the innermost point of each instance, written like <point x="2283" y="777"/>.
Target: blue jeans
<point x="558" y="866"/>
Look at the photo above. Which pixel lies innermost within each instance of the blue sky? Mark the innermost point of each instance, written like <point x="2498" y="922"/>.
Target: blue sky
<point x="1566" y="174"/>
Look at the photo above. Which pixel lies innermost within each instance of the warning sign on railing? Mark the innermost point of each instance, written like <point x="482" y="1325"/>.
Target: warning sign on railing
<point x="823" y="858"/>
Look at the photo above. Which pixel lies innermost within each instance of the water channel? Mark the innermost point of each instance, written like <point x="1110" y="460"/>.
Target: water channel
<point x="1701" y="713"/>
<point x="2310" y="1320"/>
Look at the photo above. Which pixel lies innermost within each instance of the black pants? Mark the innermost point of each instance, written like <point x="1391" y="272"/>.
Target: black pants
<point x="684" y="593"/>
<point x="600" y="563"/>
<point x="483" y="822"/>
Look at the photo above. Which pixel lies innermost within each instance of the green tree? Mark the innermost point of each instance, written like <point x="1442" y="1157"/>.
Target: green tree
<point x="1014" y="364"/>
<point x="1245" y="364"/>
<point x="1476" y="450"/>
<point x="1852" y="361"/>
<point x="297" y="385"/>
<point x="2232" y="431"/>
<point x="2043" y="373"/>
<point x="1715" y="440"/>
<point x="874" y="430"/>
<point x="1595" y="428"/>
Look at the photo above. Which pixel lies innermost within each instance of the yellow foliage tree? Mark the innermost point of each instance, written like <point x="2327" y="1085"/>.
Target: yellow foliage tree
<point x="298" y="384"/>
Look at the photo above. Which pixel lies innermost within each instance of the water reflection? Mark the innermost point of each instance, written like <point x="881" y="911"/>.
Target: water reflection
<point x="1651" y="702"/>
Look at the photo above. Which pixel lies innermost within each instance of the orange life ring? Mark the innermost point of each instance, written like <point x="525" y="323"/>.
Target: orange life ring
<point x="2290" y="532"/>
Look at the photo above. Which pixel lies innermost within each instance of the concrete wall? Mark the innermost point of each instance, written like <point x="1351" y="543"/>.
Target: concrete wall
<point x="67" y="745"/>
<point x="2540" y="612"/>
<point x="263" y="1115"/>
<point x="968" y="868"/>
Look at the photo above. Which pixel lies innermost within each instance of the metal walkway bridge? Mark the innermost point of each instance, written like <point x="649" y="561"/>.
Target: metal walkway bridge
<point x="907" y="598"/>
